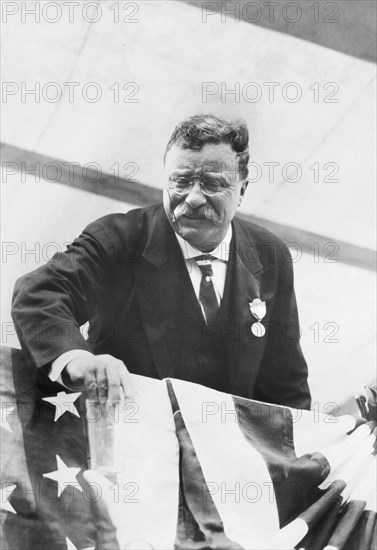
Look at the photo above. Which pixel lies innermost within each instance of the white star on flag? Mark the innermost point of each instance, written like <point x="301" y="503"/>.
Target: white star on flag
<point x="5" y="494"/>
<point x="63" y="403"/>
<point x="5" y="411"/>
<point x="64" y="476"/>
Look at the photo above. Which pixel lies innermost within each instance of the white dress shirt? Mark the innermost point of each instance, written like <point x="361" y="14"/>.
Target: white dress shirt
<point x="219" y="267"/>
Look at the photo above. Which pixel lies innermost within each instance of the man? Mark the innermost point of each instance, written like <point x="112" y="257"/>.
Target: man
<point x="183" y="290"/>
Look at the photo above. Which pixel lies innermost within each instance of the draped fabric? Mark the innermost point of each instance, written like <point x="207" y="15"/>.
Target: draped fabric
<point x="195" y="469"/>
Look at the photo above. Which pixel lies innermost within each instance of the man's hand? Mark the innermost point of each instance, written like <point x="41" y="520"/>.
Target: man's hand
<point x="100" y="376"/>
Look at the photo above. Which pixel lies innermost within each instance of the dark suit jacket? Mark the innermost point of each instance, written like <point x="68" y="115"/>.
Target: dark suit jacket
<point x="125" y="274"/>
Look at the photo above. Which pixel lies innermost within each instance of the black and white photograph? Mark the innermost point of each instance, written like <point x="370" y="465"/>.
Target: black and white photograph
<point x="188" y="275"/>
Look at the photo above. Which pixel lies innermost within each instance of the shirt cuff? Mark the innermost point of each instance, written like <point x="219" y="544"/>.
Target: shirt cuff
<point x="57" y="366"/>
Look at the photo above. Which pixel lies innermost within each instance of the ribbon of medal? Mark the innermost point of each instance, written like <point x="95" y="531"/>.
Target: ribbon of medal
<point x="258" y="311"/>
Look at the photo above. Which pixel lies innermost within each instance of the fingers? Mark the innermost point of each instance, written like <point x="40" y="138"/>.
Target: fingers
<point x="104" y="377"/>
<point x="113" y="380"/>
<point x="125" y="381"/>
<point x="91" y="384"/>
<point x="102" y="382"/>
<point x="73" y="375"/>
<point x="101" y="377"/>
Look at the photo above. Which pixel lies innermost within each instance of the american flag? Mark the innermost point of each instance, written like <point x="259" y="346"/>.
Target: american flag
<point x="192" y="468"/>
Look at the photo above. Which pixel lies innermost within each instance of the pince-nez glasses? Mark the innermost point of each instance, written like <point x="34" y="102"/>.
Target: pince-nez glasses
<point x="209" y="187"/>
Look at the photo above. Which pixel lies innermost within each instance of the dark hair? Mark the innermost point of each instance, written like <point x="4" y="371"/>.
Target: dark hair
<point x="194" y="132"/>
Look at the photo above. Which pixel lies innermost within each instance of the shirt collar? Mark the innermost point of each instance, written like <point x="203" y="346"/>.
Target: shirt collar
<point x="221" y="252"/>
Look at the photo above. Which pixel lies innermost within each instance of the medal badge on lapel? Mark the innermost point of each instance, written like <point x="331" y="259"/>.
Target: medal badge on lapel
<point x="258" y="311"/>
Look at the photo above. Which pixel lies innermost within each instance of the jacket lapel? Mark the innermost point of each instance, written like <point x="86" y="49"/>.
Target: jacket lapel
<point x="165" y="293"/>
<point x="245" y="272"/>
<point x="242" y="287"/>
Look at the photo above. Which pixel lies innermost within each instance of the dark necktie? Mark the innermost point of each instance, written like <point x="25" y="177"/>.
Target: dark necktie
<point x="207" y="294"/>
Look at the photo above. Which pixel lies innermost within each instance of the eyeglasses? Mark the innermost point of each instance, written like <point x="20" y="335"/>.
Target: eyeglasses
<point x="183" y="186"/>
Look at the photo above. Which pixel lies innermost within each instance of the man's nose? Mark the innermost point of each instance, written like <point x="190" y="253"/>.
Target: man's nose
<point x="196" y="197"/>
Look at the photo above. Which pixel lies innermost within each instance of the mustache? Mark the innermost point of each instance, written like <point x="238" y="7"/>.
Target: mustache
<point x="205" y="212"/>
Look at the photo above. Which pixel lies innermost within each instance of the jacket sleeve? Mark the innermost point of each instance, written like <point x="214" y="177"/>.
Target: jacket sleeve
<point x="283" y="373"/>
<point x="52" y="302"/>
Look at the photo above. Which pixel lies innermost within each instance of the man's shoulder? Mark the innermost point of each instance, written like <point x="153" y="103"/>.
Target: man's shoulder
<point x="268" y="247"/>
<point x="123" y="225"/>
<point x="123" y="219"/>
<point x="257" y="233"/>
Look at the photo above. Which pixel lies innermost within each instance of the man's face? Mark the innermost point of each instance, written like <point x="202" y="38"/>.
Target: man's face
<point x="200" y="219"/>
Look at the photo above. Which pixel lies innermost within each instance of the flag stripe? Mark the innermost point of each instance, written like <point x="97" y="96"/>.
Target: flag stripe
<point x="362" y="536"/>
<point x="199" y="521"/>
<point x="235" y="473"/>
<point x="315" y="512"/>
<point x="149" y="483"/>
<point x="359" y="461"/>
<point x="365" y="488"/>
<point x="269" y="430"/>
<point x="313" y="431"/>
<point x="318" y="537"/>
<point x="343" y="447"/>
<point x="197" y="497"/>
<point x="345" y="526"/>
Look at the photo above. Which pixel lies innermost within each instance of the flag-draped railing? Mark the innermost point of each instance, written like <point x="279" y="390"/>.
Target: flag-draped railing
<point x="183" y="467"/>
